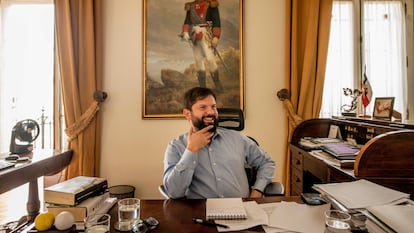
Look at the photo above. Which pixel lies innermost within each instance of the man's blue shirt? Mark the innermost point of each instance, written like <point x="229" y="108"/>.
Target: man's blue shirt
<point x="217" y="170"/>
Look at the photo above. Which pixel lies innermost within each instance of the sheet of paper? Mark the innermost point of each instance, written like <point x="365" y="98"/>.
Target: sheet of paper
<point x="361" y="193"/>
<point x="298" y="217"/>
<point x="256" y="216"/>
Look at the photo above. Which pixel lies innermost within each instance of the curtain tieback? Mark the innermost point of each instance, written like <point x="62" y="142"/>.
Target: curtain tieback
<point x="75" y="129"/>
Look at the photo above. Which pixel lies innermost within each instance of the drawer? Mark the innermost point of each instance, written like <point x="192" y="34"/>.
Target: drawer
<point x="295" y="190"/>
<point x="296" y="177"/>
<point x="297" y="159"/>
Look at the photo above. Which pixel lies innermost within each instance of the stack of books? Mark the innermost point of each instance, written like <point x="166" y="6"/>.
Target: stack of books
<point x="81" y="195"/>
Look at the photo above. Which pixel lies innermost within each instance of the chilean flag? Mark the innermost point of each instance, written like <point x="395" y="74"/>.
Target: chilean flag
<point x="366" y="91"/>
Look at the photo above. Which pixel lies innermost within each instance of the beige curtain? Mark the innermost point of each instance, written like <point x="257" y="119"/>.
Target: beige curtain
<point x="78" y="45"/>
<point x="307" y="31"/>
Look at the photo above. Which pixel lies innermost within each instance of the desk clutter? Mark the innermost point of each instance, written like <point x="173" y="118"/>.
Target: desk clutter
<point x="80" y="196"/>
<point x="338" y="148"/>
<point x="384" y="210"/>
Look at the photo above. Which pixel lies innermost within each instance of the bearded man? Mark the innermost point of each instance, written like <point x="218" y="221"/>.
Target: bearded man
<point x="208" y="161"/>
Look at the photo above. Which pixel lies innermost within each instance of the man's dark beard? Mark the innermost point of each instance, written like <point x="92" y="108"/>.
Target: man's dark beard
<point x="199" y="123"/>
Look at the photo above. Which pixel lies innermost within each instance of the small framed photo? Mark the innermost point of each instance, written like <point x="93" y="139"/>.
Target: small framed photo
<point x="383" y="107"/>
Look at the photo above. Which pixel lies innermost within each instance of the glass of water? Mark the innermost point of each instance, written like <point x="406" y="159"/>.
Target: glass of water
<point x="98" y="223"/>
<point x="128" y="213"/>
<point x="337" y="221"/>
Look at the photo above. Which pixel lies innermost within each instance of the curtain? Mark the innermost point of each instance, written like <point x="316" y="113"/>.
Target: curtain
<point x="307" y="31"/>
<point x="79" y="54"/>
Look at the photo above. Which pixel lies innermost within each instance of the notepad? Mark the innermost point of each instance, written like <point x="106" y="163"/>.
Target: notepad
<point x="225" y="208"/>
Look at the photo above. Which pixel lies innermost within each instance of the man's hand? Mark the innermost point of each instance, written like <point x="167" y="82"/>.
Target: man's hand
<point x="214" y="42"/>
<point x="255" y="194"/>
<point x="198" y="140"/>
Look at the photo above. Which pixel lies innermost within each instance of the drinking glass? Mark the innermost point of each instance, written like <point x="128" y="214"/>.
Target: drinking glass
<point x="337" y="221"/>
<point x="98" y="223"/>
<point x="128" y="213"/>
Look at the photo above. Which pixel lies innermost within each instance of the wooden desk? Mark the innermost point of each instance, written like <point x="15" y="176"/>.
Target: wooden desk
<point x="386" y="157"/>
<point x="177" y="215"/>
<point x="43" y="162"/>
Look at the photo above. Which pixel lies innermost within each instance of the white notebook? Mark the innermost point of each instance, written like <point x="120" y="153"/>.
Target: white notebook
<point x="225" y="208"/>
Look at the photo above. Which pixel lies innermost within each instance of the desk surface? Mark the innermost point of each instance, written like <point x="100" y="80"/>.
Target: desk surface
<point x="177" y="215"/>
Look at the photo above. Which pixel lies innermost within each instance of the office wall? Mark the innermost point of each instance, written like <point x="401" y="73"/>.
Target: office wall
<point x="133" y="148"/>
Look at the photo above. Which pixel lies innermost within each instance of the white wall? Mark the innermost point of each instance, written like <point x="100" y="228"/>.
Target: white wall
<point x="133" y="148"/>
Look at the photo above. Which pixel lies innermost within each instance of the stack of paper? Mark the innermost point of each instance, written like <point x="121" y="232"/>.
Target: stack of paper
<point x="361" y="194"/>
<point x="277" y="217"/>
<point x="392" y="218"/>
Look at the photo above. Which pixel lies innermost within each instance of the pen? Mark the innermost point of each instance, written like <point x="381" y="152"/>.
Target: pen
<point x="208" y="223"/>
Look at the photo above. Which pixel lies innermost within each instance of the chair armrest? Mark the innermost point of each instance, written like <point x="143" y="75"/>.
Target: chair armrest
<point x="274" y="189"/>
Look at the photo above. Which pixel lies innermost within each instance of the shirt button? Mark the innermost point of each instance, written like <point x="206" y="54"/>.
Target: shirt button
<point x="218" y="179"/>
<point x="194" y="162"/>
<point x="214" y="164"/>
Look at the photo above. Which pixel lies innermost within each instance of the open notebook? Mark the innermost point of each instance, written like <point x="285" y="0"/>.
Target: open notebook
<point x="225" y="208"/>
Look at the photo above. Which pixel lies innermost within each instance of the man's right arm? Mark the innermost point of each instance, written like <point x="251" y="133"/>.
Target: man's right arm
<point x="179" y="166"/>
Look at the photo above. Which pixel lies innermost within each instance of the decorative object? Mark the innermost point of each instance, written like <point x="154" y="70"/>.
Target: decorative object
<point x="383" y="108"/>
<point x="349" y="109"/>
<point x="169" y="67"/>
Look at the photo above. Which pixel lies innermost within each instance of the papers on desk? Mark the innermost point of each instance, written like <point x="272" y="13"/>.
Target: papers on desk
<point x="392" y="218"/>
<point x="279" y="217"/>
<point x="361" y="194"/>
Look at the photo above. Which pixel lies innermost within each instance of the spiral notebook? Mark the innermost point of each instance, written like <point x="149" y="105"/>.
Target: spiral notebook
<point x="225" y="208"/>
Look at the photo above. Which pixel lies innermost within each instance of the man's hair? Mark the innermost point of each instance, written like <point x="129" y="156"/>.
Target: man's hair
<point x="195" y="94"/>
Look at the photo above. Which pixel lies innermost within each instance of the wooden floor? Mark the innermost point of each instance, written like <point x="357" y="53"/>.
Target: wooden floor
<point x="13" y="202"/>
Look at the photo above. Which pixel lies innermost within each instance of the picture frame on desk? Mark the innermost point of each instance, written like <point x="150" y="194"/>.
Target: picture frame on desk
<point x="383" y="108"/>
<point x="171" y="61"/>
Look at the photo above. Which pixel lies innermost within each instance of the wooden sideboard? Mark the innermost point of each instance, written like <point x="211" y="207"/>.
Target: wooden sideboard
<point x="386" y="158"/>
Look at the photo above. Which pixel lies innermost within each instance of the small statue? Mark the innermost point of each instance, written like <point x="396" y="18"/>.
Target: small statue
<point x="354" y="94"/>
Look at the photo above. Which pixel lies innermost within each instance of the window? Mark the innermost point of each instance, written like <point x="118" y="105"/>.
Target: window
<point x="27" y="86"/>
<point x="380" y="54"/>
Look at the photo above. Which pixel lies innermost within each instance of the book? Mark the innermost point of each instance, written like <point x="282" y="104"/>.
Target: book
<point x="225" y="208"/>
<point x="82" y="210"/>
<point x="341" y="151"/>
<point x="74" y="191"/>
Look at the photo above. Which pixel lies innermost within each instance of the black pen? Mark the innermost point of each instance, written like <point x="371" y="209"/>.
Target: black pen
<point x="209" y="223"/>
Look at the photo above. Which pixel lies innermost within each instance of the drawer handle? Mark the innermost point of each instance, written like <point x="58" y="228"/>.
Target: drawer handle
<point x="297" y="162"/>
<point x="297" y="180"/>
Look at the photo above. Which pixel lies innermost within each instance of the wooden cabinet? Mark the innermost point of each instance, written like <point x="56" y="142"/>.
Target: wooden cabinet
<point x="386" y="157"/>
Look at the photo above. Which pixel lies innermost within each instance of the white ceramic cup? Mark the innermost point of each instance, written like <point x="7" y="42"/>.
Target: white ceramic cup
<point x="128" y="213"/>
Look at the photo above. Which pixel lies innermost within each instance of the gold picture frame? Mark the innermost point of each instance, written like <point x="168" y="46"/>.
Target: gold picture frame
<point x="383" y="108"/>
<point x="169" y="65"/>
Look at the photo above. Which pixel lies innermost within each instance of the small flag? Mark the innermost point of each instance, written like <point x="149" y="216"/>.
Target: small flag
<point x="366" y="90"/>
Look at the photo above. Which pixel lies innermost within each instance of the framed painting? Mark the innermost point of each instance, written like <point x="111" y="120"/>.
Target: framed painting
<point x="188" y="44"/>
<point x="383" y="108"/>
